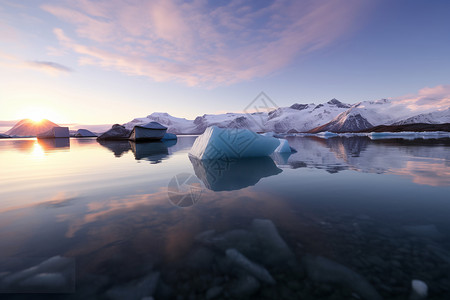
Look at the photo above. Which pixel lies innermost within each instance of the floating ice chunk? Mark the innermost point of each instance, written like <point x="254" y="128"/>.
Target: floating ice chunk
<point x="324" y="270"/>
<point x="45" y="282"/>
<point x="283" y="147"/>
<point x="270" y="134"/>
<point x="275" y="250"/>
<point x="252" y="268"/>
<point x="327" y="134"/>
<point x="419" y="290"/>
<point x="139" y="289"/>
<point x="218" y="143"/>
<point x="84" y="133"/>
<point x="117" y="132"/>
<point x="244" y="286"/>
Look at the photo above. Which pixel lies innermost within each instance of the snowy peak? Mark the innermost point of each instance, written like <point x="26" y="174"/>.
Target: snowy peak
<point x="298" y="106"/>
<point x="338" y="103"/>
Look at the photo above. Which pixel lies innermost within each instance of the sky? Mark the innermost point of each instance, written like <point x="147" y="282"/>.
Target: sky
<point x="109" y="61"/>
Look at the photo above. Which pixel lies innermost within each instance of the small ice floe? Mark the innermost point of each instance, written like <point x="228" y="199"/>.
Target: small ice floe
<point x="84" y="133"/>
<point x="327" y="134"/>
<point x="283" y="147"/>
<point x="139" y="289"/>
<point x="216" y="143"/>
<point x="323" y="270"/>
<point x="54" y="275"/>
<point x="252" y="268"/>
<point x="152" y="131"/>
<point x="409" y="135"/>
<point x="244" y="286"/>
<point x="419" y="290"/>
<point x="274" y="249"/>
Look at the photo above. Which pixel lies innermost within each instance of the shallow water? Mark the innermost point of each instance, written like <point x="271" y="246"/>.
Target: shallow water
<point x="342" y="218"/>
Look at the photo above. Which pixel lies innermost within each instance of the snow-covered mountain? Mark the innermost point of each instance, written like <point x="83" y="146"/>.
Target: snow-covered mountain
<point x="436" y="117"/>
<point x="332" y="116"/>
<point x="298" y="118"/>
<point x="303" y="117"/>
<point x="198" y="126"/>
<point x="367" y="114"/>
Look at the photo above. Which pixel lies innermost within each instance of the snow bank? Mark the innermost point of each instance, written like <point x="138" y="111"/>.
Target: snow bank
<point x="217" y="143"/>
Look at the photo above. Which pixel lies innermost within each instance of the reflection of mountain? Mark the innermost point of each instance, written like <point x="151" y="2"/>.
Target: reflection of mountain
<point x="228" y="175"/>
<point x="182" y="143"/>
<point x="361" y="154"/>
<point x="52" y="144"/>
<point x="151" y="151"/>
<point x="117" y="147"/>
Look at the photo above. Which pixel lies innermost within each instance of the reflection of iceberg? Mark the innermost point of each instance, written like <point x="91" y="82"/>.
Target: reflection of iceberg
<point x="426" y="161"/>
<point x="281" y="158"/>
<point x="152" y="151"/>
<point x="227" y="175"/>
<point x="117" y="147"/>
<point x="51" y="144"/>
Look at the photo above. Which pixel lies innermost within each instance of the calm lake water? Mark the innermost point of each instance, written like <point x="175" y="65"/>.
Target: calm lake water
<point x="343" y="218"/>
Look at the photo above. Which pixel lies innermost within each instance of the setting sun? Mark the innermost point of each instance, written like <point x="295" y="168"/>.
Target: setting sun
<point x="37" y="114"/>
<point x="36" y="119"/>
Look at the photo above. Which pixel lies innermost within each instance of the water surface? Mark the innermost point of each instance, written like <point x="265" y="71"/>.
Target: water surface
<point x="341" y="218"/>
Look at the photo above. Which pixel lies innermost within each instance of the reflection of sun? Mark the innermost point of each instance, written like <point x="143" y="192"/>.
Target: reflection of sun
<point x="37" y="152"/>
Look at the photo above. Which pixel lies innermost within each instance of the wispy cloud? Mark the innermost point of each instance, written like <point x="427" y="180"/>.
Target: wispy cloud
<point x="49" y="66"/>
<point x="427" y="99"/>
<point x="199" y="43"/>
<point x="8" y="60"/>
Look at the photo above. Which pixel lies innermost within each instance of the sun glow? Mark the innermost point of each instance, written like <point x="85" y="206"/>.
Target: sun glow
<point x="35" y="114"/>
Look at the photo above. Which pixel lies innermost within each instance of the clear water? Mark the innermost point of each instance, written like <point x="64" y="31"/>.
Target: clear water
<point x="343" y="218"/>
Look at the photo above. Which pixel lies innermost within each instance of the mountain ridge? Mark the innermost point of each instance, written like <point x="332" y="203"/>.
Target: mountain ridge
<point x="334" y="116"/>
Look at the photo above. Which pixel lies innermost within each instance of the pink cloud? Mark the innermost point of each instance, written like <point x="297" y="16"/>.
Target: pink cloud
<point x="8" y="60"/>
<point x="197" y="44"/>
<point x="427" y="99"/>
